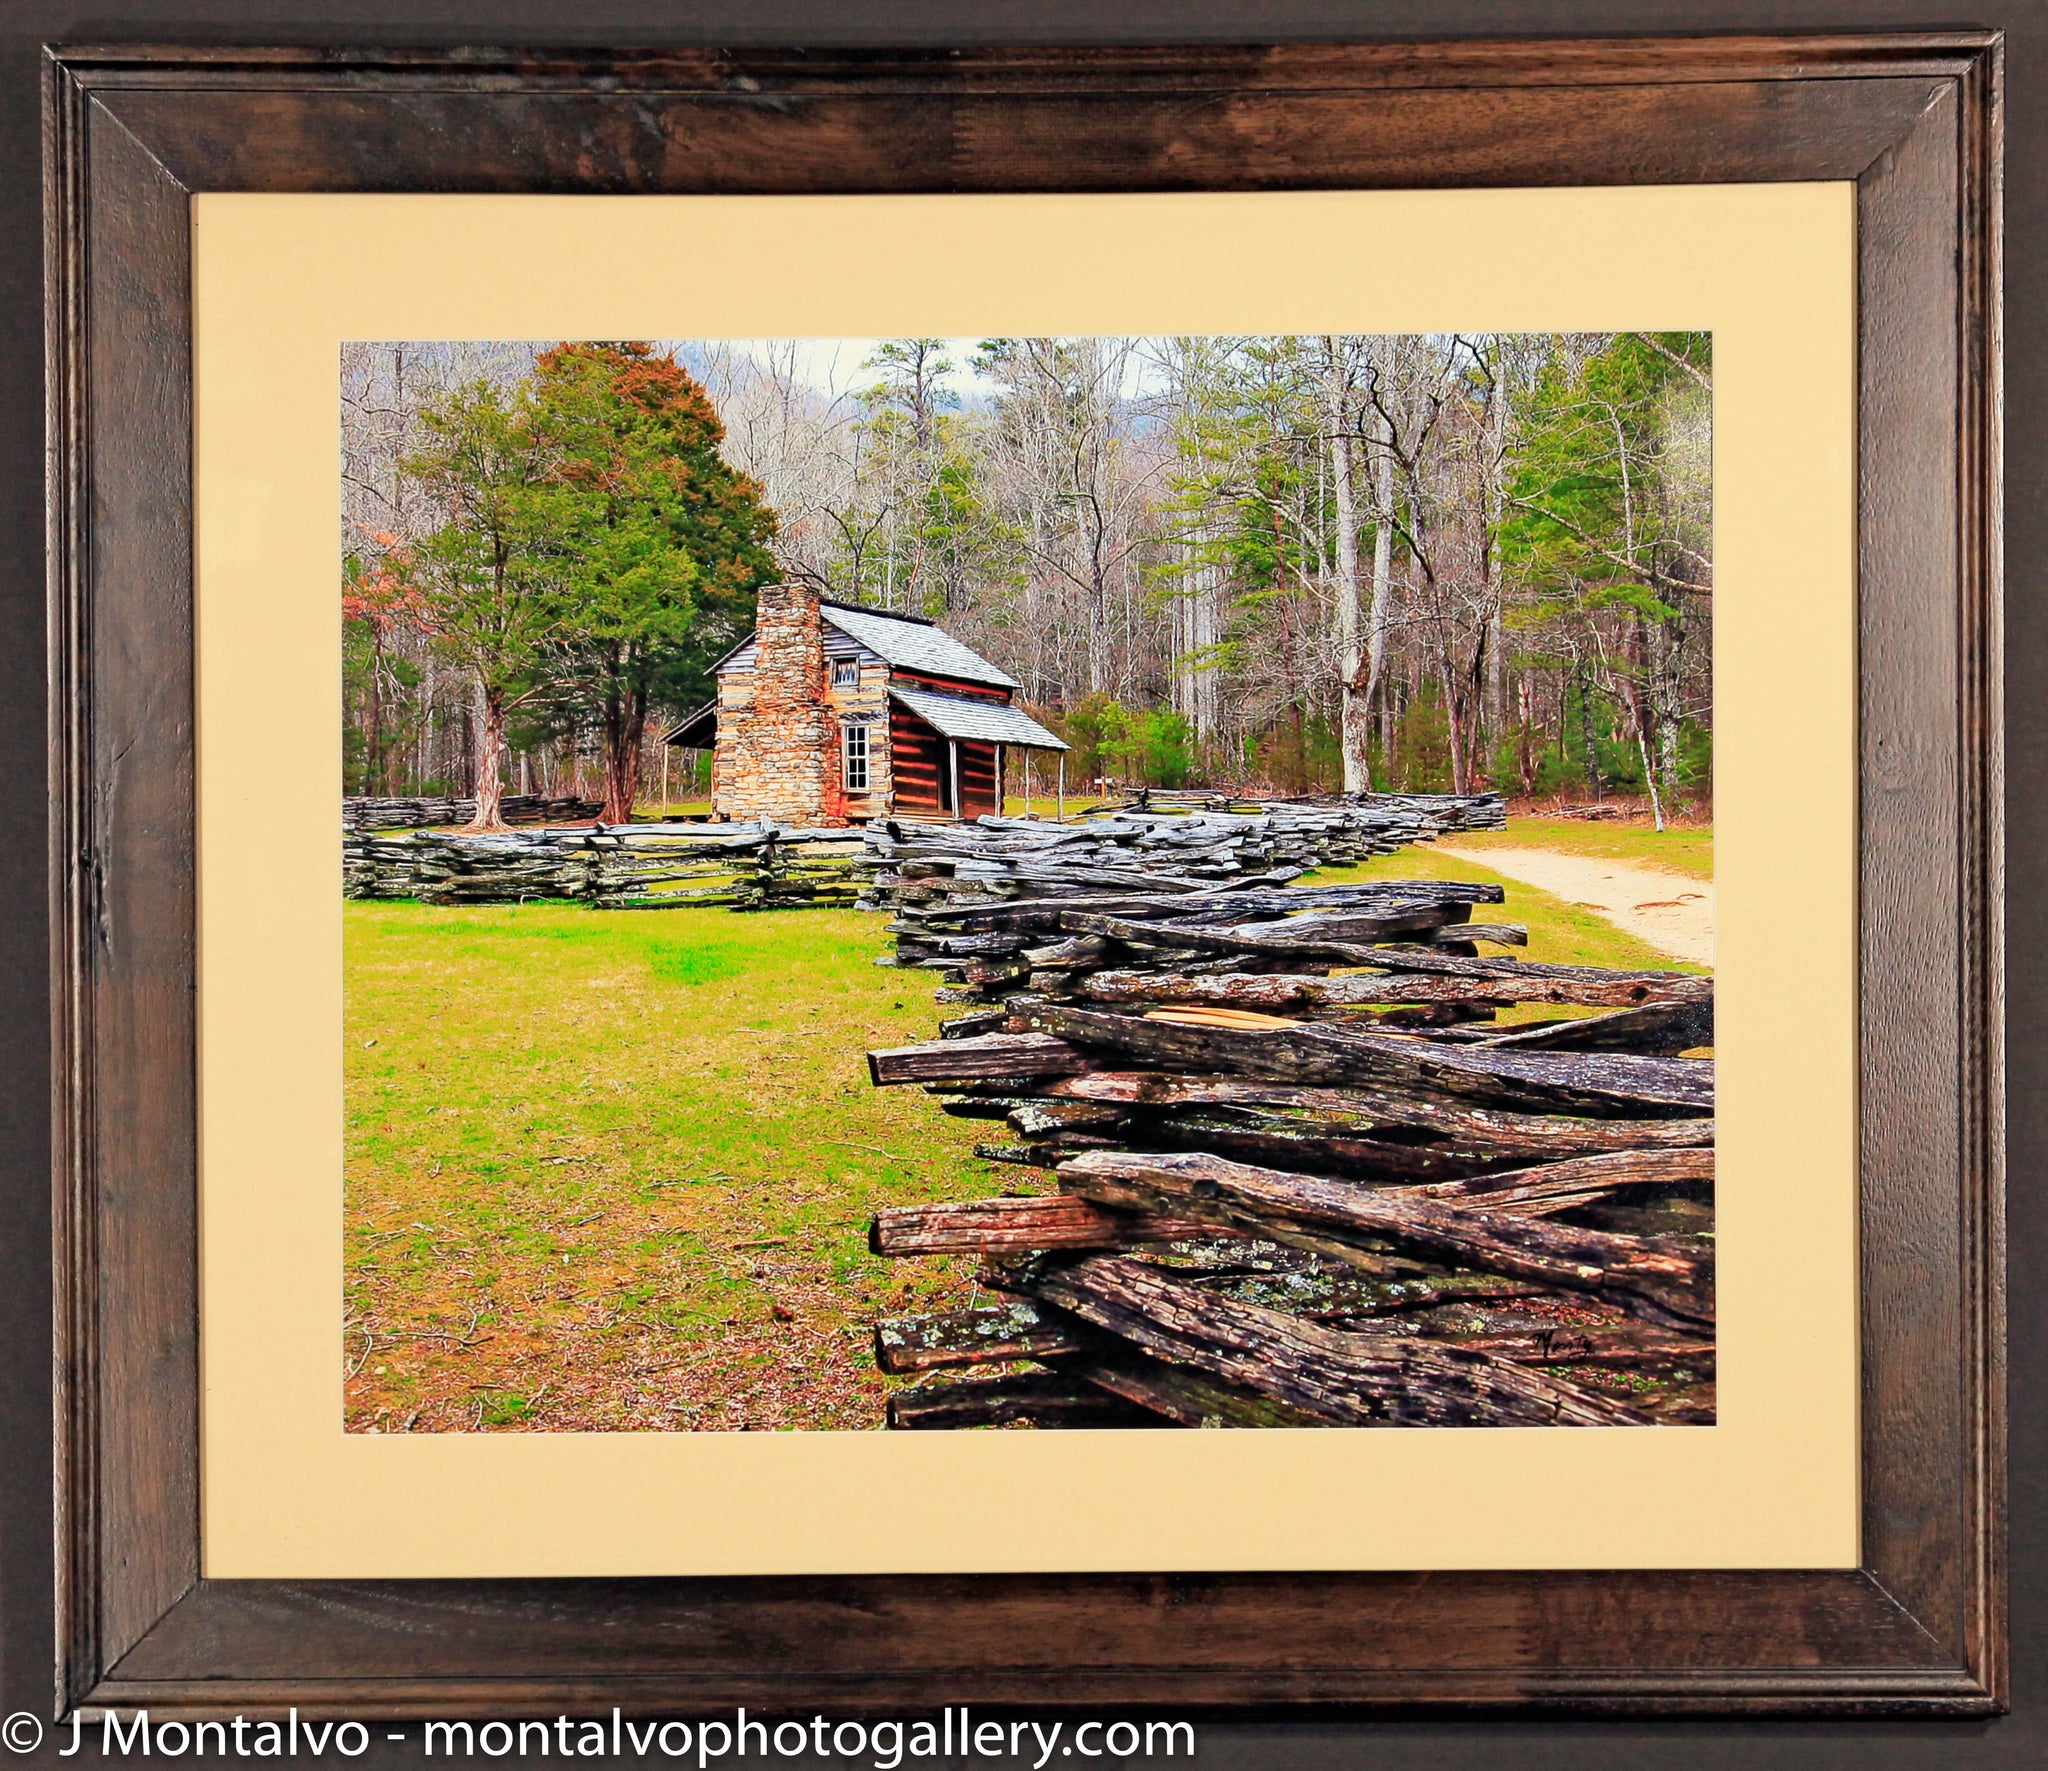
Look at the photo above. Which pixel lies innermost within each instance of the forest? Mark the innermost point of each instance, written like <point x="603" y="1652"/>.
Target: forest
<point x="1285" y="564"/>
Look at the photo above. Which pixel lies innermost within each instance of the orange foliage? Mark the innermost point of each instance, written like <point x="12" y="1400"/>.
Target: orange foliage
<point x="382" y="593"/>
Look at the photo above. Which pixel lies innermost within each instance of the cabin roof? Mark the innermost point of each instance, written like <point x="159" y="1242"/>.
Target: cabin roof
<point x="912" y="643"/>
<point x="954" y="716"/>
<point x="698" y="731"/>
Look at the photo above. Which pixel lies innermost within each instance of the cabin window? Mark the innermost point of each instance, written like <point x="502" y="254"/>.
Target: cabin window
<point x="854" y="741"/>
<point x="846" y="674"/>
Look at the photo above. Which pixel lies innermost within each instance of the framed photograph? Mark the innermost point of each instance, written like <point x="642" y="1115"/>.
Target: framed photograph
<point x="1408" y="635"/>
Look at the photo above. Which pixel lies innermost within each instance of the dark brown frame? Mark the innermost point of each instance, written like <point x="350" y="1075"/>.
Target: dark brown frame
<point x="1914" y="120"/>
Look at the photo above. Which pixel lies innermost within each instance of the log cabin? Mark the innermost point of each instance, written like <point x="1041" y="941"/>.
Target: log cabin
<point x="832" y="713"/>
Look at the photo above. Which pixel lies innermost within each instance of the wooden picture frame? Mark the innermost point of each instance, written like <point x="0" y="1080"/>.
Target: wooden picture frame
<point x="1913" y="120"/>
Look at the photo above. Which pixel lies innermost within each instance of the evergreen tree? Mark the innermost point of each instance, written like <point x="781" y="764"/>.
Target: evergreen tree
<point x="656" y="546"/>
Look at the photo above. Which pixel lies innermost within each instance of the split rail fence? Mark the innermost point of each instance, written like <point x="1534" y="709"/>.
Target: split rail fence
<point x="762" y="866"/>
<point x="1304" y="1175"/>
<point x="614" y="867"/>
<point x="415" y="814"/>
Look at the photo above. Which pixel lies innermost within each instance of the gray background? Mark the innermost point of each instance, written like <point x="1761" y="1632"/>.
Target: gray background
<point x="1424" y="1745"/>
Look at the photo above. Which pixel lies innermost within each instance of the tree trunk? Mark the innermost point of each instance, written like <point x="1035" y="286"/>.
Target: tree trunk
<point x="1208" y="700"/>
<point x="1593" y="780"/>
<point x="625" y="724"/>
<point x="1354" y="716"/>
<point x="1454" y="726"/>
<point x="1496" y="667"/>
<point x="373" y="770"/>
<point x="1525" y="736"/>
<point x="1650" y="778"/>
<point x="490" y="759"/>
<point x="1098" y="635"/>
<point x="1669" y="642"/>
<point x="1382" y="592"/>
<point x="1496" y="584"/>
<point x="469" y="728"/>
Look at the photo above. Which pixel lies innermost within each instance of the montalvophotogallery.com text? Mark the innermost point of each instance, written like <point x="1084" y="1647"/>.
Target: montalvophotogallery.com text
<point x="885" y="1744"/>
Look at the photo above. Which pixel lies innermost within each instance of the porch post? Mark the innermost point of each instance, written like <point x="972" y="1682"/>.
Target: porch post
<point x="1063" y="785"/>
<point x="953" y="774"/>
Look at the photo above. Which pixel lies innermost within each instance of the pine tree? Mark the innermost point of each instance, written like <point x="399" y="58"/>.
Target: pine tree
<point x="656" y="545"/>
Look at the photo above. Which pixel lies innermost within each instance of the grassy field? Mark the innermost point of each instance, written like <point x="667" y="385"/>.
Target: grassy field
<point x="1683" y="848"/>
<point x="612" y="1171"/>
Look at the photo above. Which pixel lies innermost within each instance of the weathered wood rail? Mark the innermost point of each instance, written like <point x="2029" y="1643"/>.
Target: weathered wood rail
<point x="1303" y="1176"/>
<point x="363" y="814"/>
<point x="614" y="867"/>
<point x="956" y="867"/>
<point x="1153" y="848"/>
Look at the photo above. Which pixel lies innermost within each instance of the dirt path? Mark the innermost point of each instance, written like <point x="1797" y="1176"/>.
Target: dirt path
<point x="1673" y="912"/>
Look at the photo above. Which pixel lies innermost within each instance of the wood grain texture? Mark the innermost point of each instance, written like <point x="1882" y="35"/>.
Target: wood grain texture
<point x="1599" y="1641"/>
<point x="1929" y="819"/>
<point x="1152" y="69"/>
<point x="123" y="886"/>
<point x="1913" y="118"/>
<point x="1312" y="117"/>
<point x="1338" y="1377"/>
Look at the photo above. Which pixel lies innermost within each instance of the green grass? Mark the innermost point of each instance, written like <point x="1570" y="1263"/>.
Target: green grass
<point x="1683" y="848"/>
<point x="615" y="1169"/>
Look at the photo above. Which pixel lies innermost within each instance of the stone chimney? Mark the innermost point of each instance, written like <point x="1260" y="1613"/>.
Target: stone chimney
<point x="778" y="739"/>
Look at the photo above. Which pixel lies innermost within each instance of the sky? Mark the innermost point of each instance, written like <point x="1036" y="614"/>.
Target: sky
<point x="833" y="365"/>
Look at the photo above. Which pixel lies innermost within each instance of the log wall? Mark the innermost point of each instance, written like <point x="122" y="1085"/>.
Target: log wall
<point x="917" y="764"/>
